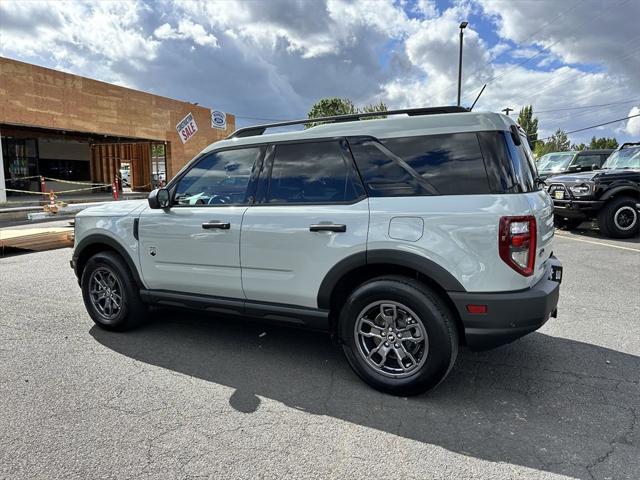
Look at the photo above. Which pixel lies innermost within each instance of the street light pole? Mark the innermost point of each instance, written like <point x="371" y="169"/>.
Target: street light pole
<point x="463" y="25"/>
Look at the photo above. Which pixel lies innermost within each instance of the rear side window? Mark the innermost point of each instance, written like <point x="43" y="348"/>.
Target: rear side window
<point x="382" y="174"/>
<point x="314" y="172"/>
<point x="452" y="163"/>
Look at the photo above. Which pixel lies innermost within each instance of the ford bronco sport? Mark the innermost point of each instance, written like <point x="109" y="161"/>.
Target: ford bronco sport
<point x="404" y="237"/>
<point x="610" y="195"/>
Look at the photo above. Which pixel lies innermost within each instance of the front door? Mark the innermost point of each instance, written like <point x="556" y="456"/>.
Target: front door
<point x="313" y="214"/>
<point x="194" y="246"/>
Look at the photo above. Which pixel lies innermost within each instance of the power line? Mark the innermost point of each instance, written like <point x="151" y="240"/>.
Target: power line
<point x="588" y="106"/>
<point x="595" y="126"/>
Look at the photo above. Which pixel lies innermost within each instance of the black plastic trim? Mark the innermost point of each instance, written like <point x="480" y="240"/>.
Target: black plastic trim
<point x="316" y="319"/>
<point x="98" y="238"/>
<point x="394" y="257"/>
<point x="510" y="315"/>
<point x="632" y="189"/>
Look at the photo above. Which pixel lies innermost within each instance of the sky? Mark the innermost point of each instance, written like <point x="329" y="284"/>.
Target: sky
<point x="576" y="61"/>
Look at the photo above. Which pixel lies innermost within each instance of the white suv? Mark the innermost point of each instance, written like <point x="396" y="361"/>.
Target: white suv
<point x="404" y="237"/>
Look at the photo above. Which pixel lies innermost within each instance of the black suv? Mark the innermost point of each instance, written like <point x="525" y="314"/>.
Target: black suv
<point x="611" y="195"/>
<point x="557" y="163"/>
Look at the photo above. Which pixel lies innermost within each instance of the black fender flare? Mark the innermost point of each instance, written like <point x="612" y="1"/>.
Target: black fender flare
<point x="621" y="189"/>
<point x="400" y="258"/>
<point x="98" y="238"/>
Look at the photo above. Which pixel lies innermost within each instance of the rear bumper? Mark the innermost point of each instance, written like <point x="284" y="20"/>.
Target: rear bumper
<point x="510" y="315"/>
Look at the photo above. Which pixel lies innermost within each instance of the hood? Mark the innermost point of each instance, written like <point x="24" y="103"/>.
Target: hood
<point x="573" y="177"/>
<point x="113" y="209"/>
<point x="592" y="175"/>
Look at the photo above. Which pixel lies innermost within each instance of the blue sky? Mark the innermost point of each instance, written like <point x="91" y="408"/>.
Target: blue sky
<point x="274" y="59"/>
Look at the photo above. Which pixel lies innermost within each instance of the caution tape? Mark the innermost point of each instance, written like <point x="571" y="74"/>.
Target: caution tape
<point x="57" y="192"/>
<point x="72" y="182"/>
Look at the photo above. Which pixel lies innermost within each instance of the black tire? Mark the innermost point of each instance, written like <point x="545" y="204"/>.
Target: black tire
<point x="131" y="311"/>
<point x="619" y="218"/>
<point x="432" y="312"/>
<point x="567" y="223"/>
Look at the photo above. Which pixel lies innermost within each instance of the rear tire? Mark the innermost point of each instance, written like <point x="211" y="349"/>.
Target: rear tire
<point x="398" y="335"/>
<point x="619" y="218"/>
<point x="111" y="295"/>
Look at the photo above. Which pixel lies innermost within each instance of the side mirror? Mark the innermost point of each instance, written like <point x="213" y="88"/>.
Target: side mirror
<point x="159" y="198"/>
<point x="595" y="167"/>
<point x="573" y="168"/>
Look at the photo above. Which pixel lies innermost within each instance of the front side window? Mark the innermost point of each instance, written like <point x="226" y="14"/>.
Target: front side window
<point x="314" y="172"/>
<point x="218" y="178"/>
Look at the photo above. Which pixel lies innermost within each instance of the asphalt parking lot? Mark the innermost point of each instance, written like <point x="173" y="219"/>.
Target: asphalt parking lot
<point x="188" y="396"/>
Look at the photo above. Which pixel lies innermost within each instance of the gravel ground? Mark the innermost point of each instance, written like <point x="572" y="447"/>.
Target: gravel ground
<point x="188" y="396"/>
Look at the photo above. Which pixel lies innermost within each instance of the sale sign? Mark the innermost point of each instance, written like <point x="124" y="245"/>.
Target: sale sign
<point x="187" y="128"/>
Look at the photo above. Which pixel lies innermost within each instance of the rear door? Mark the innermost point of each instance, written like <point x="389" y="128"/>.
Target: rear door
<point x="311" y="213"/>
<point x="194" y="246"/>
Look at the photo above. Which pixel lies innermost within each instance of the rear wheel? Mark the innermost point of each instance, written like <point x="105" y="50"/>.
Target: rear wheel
<point x="110" y="293"/>
<point x="619" y="218"/>
<point x="398" y="335"/>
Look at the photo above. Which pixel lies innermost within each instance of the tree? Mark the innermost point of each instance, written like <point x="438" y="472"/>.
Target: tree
<point x="603" y="143"/>
<point x="579" y="146"/>
<point x="558" y="142"/>
<point x="331" y="106"/>
<point x="529" y="124"/>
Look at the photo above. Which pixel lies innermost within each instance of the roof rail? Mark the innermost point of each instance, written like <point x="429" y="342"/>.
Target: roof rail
<point x="351" y="117"/>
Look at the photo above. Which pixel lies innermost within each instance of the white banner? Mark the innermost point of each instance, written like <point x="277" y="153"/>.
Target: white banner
<point x="187" y="128"/>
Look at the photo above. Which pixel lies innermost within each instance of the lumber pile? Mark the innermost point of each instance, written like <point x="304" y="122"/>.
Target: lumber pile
<point x="37" y="239"/>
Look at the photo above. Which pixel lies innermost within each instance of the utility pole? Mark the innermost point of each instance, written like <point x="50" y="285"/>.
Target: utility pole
<point x="463" y="25"/>
<point x="507" y="110"/>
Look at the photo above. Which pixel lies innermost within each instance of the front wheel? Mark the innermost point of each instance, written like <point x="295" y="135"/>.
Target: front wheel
<point x="619" y="218"/>
<point x="398" y="335"/>
<point x="110" y="293"/>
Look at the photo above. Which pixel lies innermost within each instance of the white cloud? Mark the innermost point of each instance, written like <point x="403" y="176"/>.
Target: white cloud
<point x="187" y="30"/>
<point x="274" y="58"/>
<point x="633" y="124"/>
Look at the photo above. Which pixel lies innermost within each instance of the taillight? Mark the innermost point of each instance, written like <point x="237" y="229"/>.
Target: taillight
<point x="517" y="243"/>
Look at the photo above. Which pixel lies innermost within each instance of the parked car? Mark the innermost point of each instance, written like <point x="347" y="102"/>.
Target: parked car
<point x="557" y="163"/>
<point x="609" y="195"/>
<point x="404" y="237"/>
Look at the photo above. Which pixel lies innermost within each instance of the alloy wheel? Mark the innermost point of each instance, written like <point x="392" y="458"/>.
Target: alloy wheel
<point x="391" y="338"/>
<point x="105" y="292"/>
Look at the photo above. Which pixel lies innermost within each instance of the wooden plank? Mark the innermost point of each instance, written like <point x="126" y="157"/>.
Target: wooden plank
<point x="37" y="239"/>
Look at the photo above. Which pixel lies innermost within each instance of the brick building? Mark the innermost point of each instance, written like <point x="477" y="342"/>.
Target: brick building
<point x="70" y="128"/>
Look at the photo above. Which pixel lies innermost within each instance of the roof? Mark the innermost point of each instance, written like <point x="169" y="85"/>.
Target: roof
<point x="398" y="126"/>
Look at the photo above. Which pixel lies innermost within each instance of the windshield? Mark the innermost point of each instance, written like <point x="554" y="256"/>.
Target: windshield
<point x="625" y="158"/>
<point x="555" y="162"/>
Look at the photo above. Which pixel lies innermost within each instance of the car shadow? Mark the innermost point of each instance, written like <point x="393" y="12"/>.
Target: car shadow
<point x="587" y="229"/>
<point x="547" y="403"/>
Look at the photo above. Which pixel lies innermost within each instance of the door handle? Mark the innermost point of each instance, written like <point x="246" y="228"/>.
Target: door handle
<point x="216" y="224"/>
<point x="328" y="227"/>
